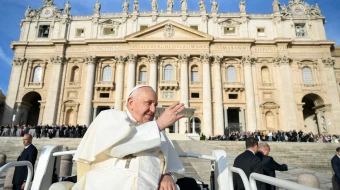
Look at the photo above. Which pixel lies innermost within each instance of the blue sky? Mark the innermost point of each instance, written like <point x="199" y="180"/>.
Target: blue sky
<point x="12" y="11"/>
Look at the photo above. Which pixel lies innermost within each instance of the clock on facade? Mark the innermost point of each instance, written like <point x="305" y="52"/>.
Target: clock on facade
<point x="298" y="9"/>
<point x="46" y="12"/>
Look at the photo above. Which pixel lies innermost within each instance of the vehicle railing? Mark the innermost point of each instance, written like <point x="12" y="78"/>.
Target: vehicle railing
<point x="242" y="175"/>
<point x="63" y="153"/>
<point x="285" y="184"/>
<point x="21" y="163"/>
<point x="194" y="155"/>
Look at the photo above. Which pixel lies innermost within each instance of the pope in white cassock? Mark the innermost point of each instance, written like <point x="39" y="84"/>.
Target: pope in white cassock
<point x="129" y="150"/>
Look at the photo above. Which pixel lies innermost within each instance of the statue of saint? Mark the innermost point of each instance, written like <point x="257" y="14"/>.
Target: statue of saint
<point x="48" y="2"/>
<point x="202" y="6"/>
<point x="97" y="7"/>
<point x="170" y="5"/>
<point x="214" y="6"/>
<point x="276" y="6"/>
<point x="125" y="6"/>
<point x="242" y="6"/>
<point x="27" y="12"/>
<point x="184" y="6"/>
<point x="67" y="8"/>
<point x="135" y="6"/>
<point x="154" y="5"/>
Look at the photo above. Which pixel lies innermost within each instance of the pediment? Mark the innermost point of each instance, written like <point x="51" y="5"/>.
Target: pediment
<point x="229" y="22"/>
<point x="169" y="31"/>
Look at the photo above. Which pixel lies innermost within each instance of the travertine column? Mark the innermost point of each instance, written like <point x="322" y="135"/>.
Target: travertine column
<point x="250" y="97"/>
<point x="88" y="93"/>
<point x="52" y="100"/>
<point x="13" y="90"/>
<point x="332" y="94"/>
<point x="131" y="72"/>
<point x="218" y="96"/>
<point x="119" y="82"/>
<point x="288" y="104"/>
<point x="184" y="86"/>
<point x="241" y="119"/>
<point x="153" y="71"/>
<point x="207" y="109"/>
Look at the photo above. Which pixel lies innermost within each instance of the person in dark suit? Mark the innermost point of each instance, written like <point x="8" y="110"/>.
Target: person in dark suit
<point x="268" y="163"/>
<point x="29" y="153"/>
<point x="336" y="169"/>
<point x="249" y="163"/>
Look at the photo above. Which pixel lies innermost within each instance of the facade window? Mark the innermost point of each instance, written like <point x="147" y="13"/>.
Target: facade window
<point x="107" y="74"/>
<point x="37" y="74"/>
<point x="194" y="27"/>
<point x="80" y="33"/>
<point x="143" y="74"/>
<point x="194" y="74"/>
<point x="195" y="95"/>
<point x="300" y="30"/>
<point x="265" y="75"/>
<point x="233" y="96"/>
<point x="44" y="31"/>
<point x="142" y="27"/>
<point x="261" y="32"/>
<point x="75" y="74"/>
<point x="168" y="72"/>
<point x="229" y="30"/>
<point x="307" y="76"/>
<point x="231" y="74"/>
<point x="109" y="31"/>
<point x="104" y="95"/>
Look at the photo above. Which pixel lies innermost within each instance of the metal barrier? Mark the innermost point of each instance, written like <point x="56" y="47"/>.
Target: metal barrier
<point x="242" y="175"/>
<point x="276" y="182"/>
<point x="21" y="163"/>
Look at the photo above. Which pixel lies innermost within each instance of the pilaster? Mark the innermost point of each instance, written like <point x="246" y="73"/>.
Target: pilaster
<point x="13" y="89"/>
<point x="52" y="100"/>
<point x="91" y="62"/>
<point x="131" y="72"/>
<point x="119" y="82"/>
<point x="153" y="59"/>
<point x="250" y="95"/>
<point x="207" y="107"/>
<point x="218" y="96"/>
<point x="184" y="86"/>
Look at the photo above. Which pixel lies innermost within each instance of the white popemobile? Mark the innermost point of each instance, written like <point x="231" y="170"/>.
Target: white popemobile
<point x="48" y="170"/>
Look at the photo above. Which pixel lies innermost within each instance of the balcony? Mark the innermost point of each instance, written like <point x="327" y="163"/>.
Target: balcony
<point x="233" y="86"/>
<point x="105" y="85"/>
<point x="168" y="85"/>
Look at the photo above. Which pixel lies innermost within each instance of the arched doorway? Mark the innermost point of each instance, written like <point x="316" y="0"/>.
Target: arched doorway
<point x="197" y="123"/>
<point x="69" y="120"/>
<point x="312" y="118"/>
<point x="29" y="109"/>
<point x="270" y="121"/>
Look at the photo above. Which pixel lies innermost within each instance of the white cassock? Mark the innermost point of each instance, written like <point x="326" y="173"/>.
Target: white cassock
<point x="124" y="155"/>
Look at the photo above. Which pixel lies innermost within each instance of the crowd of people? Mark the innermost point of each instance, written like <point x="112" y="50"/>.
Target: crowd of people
<point x="281" y="136"/>
<point x="50" y="131"/>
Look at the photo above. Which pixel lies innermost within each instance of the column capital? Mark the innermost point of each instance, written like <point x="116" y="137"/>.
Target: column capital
<point x="90" y="59"/>
<point x="329" y="62"/>
<point x="205" y="58"/>
<point x="132" y="58"/>
<point x="18" y="61"/>
<point x="217" y="60"/>
<point x="183" y="58"/>
<point x="153" y="58"/>
<point x="120" y="59"/>
<point x="248" y="60"/>
<point x="283" y="60"/>
<point x="57" y="59"/>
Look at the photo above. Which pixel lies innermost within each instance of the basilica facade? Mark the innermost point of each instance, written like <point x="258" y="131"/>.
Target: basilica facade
<point x="240" y="71"/>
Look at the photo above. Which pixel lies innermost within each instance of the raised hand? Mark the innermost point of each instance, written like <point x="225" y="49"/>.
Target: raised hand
<point x="170" y="116"/>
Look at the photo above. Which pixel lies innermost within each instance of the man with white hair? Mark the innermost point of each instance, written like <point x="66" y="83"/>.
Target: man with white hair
<point x="130" y="150"/>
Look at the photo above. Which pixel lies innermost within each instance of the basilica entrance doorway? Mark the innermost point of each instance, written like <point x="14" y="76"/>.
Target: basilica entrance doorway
<point x="196" y="122"/>
<point x="29" y="109"/>
<point x="314" y="118"/>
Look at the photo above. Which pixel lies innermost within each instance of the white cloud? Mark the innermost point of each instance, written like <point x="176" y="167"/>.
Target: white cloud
<point x="4" y="57"/>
